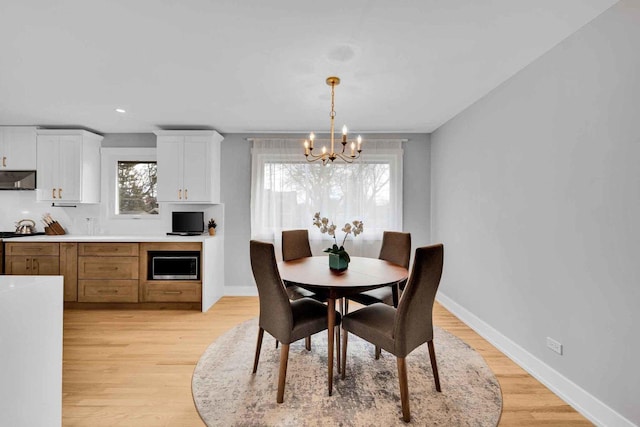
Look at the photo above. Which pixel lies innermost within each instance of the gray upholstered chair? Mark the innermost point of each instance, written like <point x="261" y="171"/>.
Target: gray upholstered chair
<point x="295" y="245"/>
<point x="400" y="330"/>
<point x="287" y="321"/>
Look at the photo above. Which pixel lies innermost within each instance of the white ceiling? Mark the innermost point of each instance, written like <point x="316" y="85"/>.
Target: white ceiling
<point x="260" y="66"/>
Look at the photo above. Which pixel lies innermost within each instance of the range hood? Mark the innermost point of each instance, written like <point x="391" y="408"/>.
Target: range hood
<point x="17" y="180"/>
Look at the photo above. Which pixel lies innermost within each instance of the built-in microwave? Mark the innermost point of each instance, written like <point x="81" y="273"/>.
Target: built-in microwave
<point x="182" y="265"/>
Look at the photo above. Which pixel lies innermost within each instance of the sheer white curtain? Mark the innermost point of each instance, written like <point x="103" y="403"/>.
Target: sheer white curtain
<point x="286" y="191"/>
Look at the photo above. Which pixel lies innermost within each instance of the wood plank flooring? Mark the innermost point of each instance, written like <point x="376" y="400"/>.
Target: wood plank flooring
<point x="133" y="368"/>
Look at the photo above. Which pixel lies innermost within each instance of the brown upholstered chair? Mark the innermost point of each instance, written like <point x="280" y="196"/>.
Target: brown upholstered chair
<point x="287" y="321"/>
<point x="295" y="244"/>
<point x="396" y="248"/>
<point x="399" y="331"/>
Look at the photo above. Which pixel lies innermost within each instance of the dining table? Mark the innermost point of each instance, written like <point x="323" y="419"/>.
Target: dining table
<point x="363" y="274"/>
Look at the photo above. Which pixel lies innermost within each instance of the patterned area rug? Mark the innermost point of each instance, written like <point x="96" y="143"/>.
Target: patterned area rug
<point x="226" y="393"/>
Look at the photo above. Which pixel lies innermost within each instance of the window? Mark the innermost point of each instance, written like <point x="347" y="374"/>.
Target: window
<point x="136" y="193"/>
<point x="287" y="190"/>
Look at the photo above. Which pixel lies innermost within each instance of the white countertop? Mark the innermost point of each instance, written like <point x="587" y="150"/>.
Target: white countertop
<point x="31" y="350"/>
<point x="106" y="238"/>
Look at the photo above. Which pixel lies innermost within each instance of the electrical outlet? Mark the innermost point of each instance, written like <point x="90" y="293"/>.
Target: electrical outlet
<point x="554" y="345"/>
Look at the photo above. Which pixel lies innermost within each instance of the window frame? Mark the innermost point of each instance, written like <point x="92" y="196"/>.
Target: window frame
<point x="110" y="159"/>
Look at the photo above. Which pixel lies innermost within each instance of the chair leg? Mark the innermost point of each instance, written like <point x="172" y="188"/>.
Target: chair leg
<point x="338" y="364"/>
<point x="345" y="334"/>
<point x="434" y="365"/>
<point x="404" y="389"/>
<point x="346" y="306"/>
<point x="307" y="343"/>
<point x="282" y="376"/>
<point x="276" y="343"/>
<point x="258" y="347"/>
<point x="394" y="294"/>
<point x="377" y="352"/>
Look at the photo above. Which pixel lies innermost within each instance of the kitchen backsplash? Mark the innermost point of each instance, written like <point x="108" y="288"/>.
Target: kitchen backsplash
<point x="91" y="219"/>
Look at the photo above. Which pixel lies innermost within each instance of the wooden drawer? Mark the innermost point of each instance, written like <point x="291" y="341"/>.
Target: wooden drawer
<point x="107" y="290"/>
<point x="172" y="292"/>
<point x="107" y="267"/>
<point x="49" y="249"/>
<point x="108" y="249"/>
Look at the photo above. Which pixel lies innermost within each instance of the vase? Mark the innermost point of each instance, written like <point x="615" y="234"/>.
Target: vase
<point x="336" y="262"/>
<point x="212" y="231"/>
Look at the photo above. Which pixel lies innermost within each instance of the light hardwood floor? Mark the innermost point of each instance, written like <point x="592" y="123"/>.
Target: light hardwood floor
<point x="133" y="368"/>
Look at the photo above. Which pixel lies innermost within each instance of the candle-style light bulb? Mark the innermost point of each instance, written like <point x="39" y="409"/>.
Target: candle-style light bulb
<point x="344" y="134"/>
<point x="312" y="136"/>
<point x="359" y="143"/>
<point x="324" y="149"/>
<point x="306" y="147"/>
<point x="353" y="149"/>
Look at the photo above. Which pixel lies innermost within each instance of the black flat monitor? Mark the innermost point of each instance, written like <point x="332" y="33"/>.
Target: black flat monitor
<point x="187" y="223"/>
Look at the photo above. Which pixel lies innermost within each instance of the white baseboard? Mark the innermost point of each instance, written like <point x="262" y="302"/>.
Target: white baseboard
<point x="592" y="408"/>
<point x="240" y="291"/>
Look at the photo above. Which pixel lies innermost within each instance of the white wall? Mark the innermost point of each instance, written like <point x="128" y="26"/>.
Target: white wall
<point x="536" y="197"/>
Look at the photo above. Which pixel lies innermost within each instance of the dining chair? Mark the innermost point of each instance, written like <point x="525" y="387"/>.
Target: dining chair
<point x="400" y="330"/>
<point x="295" y="245"/>
<point x="287" y="321"/>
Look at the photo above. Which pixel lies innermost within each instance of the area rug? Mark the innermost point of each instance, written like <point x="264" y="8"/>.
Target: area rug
<point x="226" y="393"/>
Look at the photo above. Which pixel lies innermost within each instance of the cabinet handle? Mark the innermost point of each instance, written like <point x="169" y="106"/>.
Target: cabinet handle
<point x="172" y="292"/>
<point x="186" y="195"/>
<point x="4" y="161"/>
<point x="53" y="193"/>
<point x="35" y="265"/>
<point x="28" y="264"/>
<point x="59" y="193"/>
<point x="179" y="194"/>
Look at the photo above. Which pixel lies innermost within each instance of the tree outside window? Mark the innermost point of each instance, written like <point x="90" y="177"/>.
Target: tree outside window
<point x="137" y="195"/>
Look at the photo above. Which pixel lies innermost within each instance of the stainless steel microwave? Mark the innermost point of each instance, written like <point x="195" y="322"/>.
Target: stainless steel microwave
<point x="175" y="266"/>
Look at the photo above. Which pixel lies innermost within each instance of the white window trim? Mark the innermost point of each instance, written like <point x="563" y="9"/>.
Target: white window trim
<point x="110" y="158"/>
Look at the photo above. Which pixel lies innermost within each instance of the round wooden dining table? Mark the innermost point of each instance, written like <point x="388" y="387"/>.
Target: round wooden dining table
<point x="363" y="274"/>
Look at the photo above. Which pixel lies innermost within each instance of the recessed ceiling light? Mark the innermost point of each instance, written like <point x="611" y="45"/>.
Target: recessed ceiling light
<point x="120" y="110"/>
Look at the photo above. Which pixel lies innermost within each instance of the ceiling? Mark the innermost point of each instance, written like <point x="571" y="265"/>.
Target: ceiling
<point x="260" y="66"/>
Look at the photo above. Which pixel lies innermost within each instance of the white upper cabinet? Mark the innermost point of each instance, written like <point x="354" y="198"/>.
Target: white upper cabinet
<point x="188" y="166"/>
<point x="17" y="148"/>
<point x="68" y="166"/>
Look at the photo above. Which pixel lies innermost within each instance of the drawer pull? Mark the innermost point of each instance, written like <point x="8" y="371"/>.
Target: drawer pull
<point x="172" y="292"/>
<point x="107" y="291"/>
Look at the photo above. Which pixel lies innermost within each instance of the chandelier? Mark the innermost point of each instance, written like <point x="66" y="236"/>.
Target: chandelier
<point x="356" y="147"/>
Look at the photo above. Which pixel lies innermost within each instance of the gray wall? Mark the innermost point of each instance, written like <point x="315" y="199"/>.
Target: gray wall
<point x="535" y="194"/>
<point x="236" y="196"/>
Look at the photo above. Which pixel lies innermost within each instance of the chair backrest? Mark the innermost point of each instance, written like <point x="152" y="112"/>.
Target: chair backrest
<point x="295" y="244"/>
<point x="396" y="248"/>
<point x="275" y="310"/>
<point x="414" y="317"/>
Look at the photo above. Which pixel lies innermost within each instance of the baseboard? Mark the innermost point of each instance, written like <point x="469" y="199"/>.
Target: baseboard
<point x="589" y="406"/>
<point x="240" y="291"/>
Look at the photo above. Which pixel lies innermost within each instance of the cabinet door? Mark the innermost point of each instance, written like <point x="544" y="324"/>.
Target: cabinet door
<point x="19" y="149"/>
<point x="196" y="178"/>
<point x="45" y="265"/>
<point x="18" y="265"/>
<point x="70" y="168"/>
<point x="47" y="167"/>
<point x="170" y="168"/>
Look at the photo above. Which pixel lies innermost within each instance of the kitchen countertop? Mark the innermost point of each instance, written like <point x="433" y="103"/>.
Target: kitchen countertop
<point x="105" y="238"/>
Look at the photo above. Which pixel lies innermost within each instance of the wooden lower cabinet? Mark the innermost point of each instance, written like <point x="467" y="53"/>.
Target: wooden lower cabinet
<point x="69" y="269"/>
<point x="104" y="272"/>
<point x="110" y="274"/>
<point x="168" y="290"/>
<point x="171" y="291"/>
<point x="32" y="259"/>
<point x="107" y="290"/>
